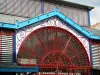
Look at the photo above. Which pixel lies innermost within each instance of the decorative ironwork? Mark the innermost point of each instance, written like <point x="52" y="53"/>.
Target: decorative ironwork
<point x="53" y="47"/>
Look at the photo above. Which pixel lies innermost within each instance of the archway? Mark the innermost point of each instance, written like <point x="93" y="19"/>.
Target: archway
<point x="54" y="50"/>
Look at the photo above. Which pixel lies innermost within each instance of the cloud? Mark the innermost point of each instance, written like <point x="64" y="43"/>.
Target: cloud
<point x="95" y="15"/>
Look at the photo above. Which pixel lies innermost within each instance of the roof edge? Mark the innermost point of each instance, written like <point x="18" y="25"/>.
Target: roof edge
<point x="57" y="13"/>
<point x="69" y="3"/>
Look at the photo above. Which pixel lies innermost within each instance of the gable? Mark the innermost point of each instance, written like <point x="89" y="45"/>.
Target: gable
<point x="22" y="33"/>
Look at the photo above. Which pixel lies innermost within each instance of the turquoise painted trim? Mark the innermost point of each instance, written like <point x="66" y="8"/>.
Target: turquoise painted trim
<point x="95" y="37"/>
<point x="7" y="25"/>
<point x="35" y="20"/>
<point x="73" y="24"/>
<point x="35" y="69"/>
<point x="46" y="16"/>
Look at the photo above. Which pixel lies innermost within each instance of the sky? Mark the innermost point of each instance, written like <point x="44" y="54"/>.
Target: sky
<point x="95" y="13"/>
